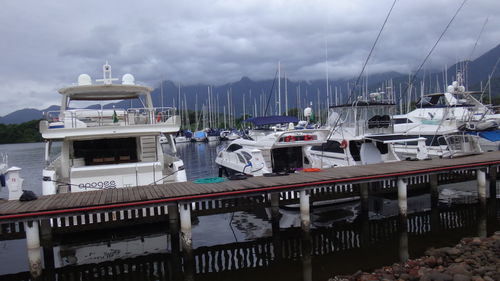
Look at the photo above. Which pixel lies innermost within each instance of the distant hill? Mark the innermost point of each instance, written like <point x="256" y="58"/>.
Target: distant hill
<point x="25" y="115"/>
<point x="262" y="94"/>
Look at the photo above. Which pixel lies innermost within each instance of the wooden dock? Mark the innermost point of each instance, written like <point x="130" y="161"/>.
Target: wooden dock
<point x="147" y="196"/>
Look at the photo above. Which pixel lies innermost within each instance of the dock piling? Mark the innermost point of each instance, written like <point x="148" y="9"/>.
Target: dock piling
<point x="404" y="254"/>
<point x="186" y="235"/>
<point x="364" y="194"/>
<point x="402" y="201"/>
<point x="493" y="181"/>
<point x="305" y="217"/>
<point x="187" y="241"/>
<point x="434" y="186"/>
<point x="481" y="185"/>
<point x="33" y="244"/>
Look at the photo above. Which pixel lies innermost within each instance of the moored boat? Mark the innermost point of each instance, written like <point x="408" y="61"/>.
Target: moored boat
<point x="109" y="148"/>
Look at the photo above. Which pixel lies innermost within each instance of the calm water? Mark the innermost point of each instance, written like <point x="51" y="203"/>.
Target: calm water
<point x="241" y="245"/>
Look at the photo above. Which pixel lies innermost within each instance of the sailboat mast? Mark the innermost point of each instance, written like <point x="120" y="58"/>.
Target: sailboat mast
<point x="286" y="96"/>
<point x="279" y="88"/>
<point x="161" y="93"/>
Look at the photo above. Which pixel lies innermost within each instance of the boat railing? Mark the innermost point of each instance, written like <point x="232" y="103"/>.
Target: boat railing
<point x="459" y="144"/>
<point x="84" y="118"/>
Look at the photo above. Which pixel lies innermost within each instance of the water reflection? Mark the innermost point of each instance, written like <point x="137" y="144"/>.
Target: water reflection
<point x="341" y="248"/>
<point x="199" y="158"/>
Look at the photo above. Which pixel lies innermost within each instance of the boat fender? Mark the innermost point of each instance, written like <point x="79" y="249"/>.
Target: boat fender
<point x="343" y="144"/>
<point x="2" y="180"/>
<point x="28" y="195"/>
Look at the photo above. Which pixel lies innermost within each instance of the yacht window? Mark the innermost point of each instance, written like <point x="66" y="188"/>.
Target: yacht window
<point x="329" y="146"/>
<point x="233" y="147"/>
<point x="106" y="151"/>
<point x="241" y="158"/>
<point x="246" y="155"/>
<point x="354" y="149"/>
<point x="402" y="120"/>
<point x="382" y="147"/>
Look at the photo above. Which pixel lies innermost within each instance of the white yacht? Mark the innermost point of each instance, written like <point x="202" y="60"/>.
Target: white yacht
<point x="362" y="133"/>
<point x="453" y="123"/>
<point x="270" y="150"/>
<point x="109" y="148"/>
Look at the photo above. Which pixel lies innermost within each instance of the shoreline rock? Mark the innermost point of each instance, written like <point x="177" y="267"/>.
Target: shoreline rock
<point x="473" y="259"/>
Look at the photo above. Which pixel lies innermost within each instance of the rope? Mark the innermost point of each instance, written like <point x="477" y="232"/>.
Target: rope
<point x="210" y="180"/>
<point x="270" y="92"/>
<point x="433" y="47"/>
<point x="371" y="51"/>
<point x="359" y="77"/>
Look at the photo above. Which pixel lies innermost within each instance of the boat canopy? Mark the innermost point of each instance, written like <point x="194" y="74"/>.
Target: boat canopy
<point x="271" y="120"/>
<point x="105" y="92"/>
<point x="489" y="135"/>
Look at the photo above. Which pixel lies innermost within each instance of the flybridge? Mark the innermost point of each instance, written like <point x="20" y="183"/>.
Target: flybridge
<point x="86" y="90"/>
<point x="86" y="122"/>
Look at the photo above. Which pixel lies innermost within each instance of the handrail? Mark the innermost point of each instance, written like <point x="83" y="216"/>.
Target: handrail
<point x="82" y="118"/>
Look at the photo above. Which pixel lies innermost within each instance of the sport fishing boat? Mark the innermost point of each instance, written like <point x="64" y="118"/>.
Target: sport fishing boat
<point x="362" y="133"/>
<point x="109" y="148"/>
<point x="270" y="150"/>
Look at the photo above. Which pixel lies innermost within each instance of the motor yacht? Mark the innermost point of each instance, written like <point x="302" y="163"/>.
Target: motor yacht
<point x="109" y="147"/>
<point x="454" y="123"/>
<point x="269" y="150"/>
<point x="362" y="133"/>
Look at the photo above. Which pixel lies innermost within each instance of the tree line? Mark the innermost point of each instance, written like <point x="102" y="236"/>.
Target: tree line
<point x="19" y="133"/>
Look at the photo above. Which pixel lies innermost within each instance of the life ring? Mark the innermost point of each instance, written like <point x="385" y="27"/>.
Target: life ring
<point x="343" y="144"/>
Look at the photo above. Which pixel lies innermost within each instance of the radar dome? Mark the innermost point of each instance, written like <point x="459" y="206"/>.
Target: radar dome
<point x="128" y="79"/>
<point x="307" y="112"/>
<point x="450" y="89"/>
<point x="84" y="79"/>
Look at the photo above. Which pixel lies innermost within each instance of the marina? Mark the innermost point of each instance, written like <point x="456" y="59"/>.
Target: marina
<point x="257" y="140"/>
<point x="176" y="204"/>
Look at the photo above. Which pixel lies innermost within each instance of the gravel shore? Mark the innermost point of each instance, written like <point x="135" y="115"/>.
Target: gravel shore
<point x="473" y="259"/>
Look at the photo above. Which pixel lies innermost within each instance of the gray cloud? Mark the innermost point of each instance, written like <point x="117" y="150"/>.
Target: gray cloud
<point x="47" y="44"/>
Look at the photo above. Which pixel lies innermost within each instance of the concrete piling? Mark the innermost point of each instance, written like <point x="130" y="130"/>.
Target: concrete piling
<point x="187" y="241"/>
<point x="481" y="185"/>
<point x="403" y="201"/>
<point x="33" y="244"/>
<point x="305" y="216"/>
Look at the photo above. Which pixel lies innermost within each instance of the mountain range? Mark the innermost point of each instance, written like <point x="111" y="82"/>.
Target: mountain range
<point x="261" y="95"/>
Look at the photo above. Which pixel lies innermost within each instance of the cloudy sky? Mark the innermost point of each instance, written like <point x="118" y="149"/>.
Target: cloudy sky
<point x="45" y="45"/>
